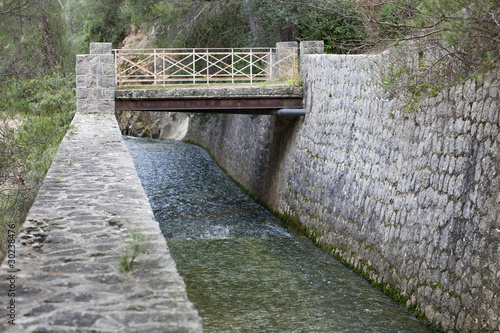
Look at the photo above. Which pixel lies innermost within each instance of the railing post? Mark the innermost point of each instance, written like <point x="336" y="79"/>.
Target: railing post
<point x="270" y="63"/>
<point x="163" y="68"/>
<point x="154" y="69"/>
<point x="251" y="68"/>
<point x="194" y="66"/>
<point x="208" y="73"/>
<point x="232" y="66"/>
<point x="119" y="69"/>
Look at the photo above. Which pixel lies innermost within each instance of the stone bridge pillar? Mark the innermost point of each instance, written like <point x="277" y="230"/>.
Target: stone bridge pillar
<point x="95" y="80"/>
<point x="308" y="48"/>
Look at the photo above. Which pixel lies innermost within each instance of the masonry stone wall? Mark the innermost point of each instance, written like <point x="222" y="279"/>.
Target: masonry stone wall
<point x="410" y="201"/>
<point x="70" y="269"/>
<point x="95" y="80"/>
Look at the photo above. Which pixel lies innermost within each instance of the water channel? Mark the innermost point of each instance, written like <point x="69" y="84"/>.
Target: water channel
<point x="243" y="270"/>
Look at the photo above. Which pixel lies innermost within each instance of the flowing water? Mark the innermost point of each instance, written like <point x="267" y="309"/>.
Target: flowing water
<point x="243" y="270"/>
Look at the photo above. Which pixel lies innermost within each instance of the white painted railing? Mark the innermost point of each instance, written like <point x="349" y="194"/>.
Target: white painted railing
<point x="203" y="66"/>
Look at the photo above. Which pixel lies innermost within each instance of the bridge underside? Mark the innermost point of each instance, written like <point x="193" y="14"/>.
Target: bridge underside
<point x="257" y="101"/>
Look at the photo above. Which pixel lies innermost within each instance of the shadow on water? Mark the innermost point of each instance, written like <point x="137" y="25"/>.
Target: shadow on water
<point x="243" y="270"/>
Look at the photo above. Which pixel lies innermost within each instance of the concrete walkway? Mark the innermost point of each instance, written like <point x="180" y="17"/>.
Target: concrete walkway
<point x="66" y="276"/>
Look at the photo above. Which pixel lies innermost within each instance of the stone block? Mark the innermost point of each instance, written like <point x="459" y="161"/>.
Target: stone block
<point x="97" y="69"/>
<point x="82" y="105"/>
<point x="493" y="91"/>
<point x="106" y="106"/>
<point x="108" y="69"/>
<point x="312" y="47"/>
<point x="82" y="60"/>
<point x="94" y="59"/>
<point x="82" y="70"/>
<point x="81" y="81"/>
<point x="106" y="81"/>
<point x="100" y="48"/>
<point x="107" y="59"/>
<point x="90" y="81"/>
<point x="82" y="93"/>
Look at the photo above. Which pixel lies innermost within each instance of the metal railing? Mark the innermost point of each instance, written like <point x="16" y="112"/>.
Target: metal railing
<point x="203" y="66"/>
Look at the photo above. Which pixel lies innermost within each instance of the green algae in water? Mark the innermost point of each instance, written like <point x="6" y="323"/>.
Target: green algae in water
<point x="243" y="271"/>
<point x="282" y="285"/>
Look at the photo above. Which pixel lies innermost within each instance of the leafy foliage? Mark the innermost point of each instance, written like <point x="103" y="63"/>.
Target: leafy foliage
<point x="136" y="246"/>
<point x="33" y="36"/>
<point x="338" y="25"/>
<point x="442" y="43"/>
<point x="220" y="25"/>
<point x="103" y="22"/>
<point x="41" y="110"/>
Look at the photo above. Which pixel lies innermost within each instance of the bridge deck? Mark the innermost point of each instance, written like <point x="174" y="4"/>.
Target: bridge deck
<point x="242" y="100"/>
<point x="66" y="274"/>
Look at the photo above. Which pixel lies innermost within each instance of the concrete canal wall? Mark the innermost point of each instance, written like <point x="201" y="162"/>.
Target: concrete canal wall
<point x="410" y="201"/>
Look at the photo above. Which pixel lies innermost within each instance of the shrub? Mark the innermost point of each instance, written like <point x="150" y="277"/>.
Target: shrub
<point x="43" y="109"/>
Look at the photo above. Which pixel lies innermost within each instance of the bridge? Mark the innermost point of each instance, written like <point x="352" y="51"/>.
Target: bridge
<point x="241" y="81"/>
<point x="66" y="271"/>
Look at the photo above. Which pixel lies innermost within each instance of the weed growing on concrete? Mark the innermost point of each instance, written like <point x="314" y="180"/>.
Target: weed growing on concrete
<point x="137" y="245"/>
<point x="294" y="83"/>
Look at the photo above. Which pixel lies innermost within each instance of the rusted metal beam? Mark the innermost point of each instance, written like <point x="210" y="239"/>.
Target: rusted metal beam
<point x="230" y="105"/>
<point x="213" y="100"/>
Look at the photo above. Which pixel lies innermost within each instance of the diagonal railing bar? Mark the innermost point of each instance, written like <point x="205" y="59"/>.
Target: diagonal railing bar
<point x="137" y="67"/>
<point x="242" y="59"/>
<point x="177" y="64"/>
<point x="288" y="57"/>
<point x="225" y="69"/>
<point x="222" y="69"/>
<point x="203" y="66"/>
<point x="135" y="63"/>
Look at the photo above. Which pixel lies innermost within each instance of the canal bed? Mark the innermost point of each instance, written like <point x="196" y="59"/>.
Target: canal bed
<point x="243" y="270"/>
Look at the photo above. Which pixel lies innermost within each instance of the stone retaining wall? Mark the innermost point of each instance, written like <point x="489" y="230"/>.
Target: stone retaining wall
<point x="410" y="201"/>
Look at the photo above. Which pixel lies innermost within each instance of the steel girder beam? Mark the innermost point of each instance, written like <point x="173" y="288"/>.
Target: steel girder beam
<point x="210" y="105"/>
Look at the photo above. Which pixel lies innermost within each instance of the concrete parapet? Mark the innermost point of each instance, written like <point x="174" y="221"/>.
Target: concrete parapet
<point x="215" y="93"/>
<point x="95" y="80"/>
<point x="69" y="251"/>
<point x="100" y="48"/>
<point x="312" y="47"/>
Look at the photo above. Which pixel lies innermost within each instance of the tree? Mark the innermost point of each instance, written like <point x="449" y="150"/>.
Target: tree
<point x="443" y="42"/>
<point x="36" y="101"/>
<point x="103" y="21"/>
<point x="33" y="38"/>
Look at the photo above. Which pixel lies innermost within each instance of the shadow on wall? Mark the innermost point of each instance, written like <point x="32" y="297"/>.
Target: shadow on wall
<point x="227" y="137"/>
<point x="160" y="125"/>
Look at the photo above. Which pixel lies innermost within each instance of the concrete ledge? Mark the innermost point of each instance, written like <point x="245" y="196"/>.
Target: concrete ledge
<point x="215" y="93"/>
<point x="66" y="273"/>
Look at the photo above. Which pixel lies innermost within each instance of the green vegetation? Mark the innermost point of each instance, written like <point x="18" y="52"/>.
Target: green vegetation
<point x="35" y="116"/>
<point x="439" y="43"/>
<point x="136" y="246"/>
